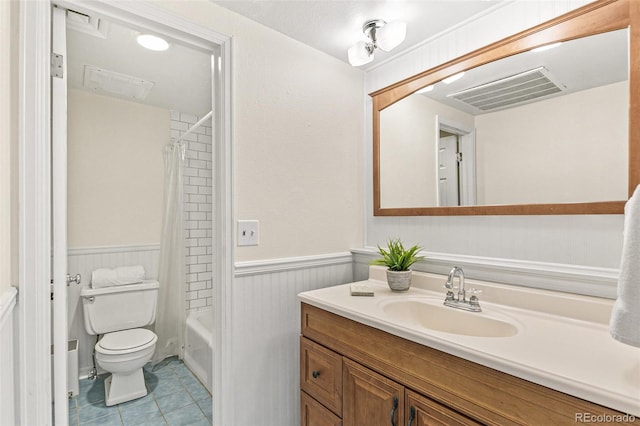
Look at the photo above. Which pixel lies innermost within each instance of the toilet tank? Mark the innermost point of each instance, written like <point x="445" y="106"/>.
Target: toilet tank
<point x="120" y="307"/>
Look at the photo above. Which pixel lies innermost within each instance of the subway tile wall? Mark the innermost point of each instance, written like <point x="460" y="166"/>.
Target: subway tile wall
<point x="198" y="200"/>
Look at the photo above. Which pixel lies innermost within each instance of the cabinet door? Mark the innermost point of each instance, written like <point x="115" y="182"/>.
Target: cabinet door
<point x="369" y="398"/>
<point x="422" y="411"/>
<point x="312" y="413"/>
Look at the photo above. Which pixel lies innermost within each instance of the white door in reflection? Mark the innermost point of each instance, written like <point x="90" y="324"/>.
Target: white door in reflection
<point x="448" y="170"/>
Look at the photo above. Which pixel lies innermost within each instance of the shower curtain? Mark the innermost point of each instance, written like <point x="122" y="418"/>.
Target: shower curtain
<point x="170" y="313"/>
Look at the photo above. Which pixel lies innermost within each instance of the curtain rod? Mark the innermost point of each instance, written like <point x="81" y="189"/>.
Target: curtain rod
<point x="195" y="126"/>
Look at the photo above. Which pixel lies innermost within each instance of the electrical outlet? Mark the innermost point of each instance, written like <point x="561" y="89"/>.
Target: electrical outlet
<point x="248" y="233"/>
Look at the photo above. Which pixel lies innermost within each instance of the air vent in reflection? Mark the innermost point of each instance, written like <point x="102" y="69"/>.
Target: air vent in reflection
<point x="516" y="89"/>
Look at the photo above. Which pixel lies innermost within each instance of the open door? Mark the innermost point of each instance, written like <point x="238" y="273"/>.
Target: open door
<point x="448" y="172"/>
<point x="456" y="166"/>
<point x="59" y="213"/>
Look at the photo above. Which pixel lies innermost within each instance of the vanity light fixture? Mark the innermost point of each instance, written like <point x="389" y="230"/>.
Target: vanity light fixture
<point x="453" y="78"/>
<point x="380" y="34"/>
<point x="152" y="42"/>
<point x="546" y="47"/>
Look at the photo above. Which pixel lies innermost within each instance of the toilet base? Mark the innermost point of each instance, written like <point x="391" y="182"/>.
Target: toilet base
<point x="120" y="388"/>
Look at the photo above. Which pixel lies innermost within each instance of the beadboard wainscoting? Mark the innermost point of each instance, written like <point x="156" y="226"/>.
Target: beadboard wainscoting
<point x="587" y="280"/>
<point x="266" y="330"/>
<point x="85" y="260"/>
<point x="8" y="357"/>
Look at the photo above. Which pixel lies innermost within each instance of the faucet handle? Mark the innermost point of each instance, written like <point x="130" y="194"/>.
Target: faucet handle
<point x="473" y="300"/>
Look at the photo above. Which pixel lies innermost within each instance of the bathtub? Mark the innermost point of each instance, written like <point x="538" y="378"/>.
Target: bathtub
<point x="198" y="352"/>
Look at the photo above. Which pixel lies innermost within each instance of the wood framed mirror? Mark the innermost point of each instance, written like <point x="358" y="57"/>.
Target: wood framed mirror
<point x="598" y="21"/>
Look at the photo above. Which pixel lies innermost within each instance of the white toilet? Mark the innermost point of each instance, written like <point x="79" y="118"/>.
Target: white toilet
<point x="118" y="312"/>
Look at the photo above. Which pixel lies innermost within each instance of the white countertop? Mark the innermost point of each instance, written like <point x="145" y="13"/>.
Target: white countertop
<point x="562" y="342"/>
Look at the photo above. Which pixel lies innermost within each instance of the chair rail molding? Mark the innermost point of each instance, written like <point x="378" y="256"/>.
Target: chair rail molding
<point x="258" y="267"/>
<point x="586" y="280"/>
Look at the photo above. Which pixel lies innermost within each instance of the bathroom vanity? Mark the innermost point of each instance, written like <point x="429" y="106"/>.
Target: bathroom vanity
<point x="389" y="360"/>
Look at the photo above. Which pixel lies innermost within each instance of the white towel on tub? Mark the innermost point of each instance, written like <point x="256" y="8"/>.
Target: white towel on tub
<point x="625" y="316"/>
<point x="121" y="275"/>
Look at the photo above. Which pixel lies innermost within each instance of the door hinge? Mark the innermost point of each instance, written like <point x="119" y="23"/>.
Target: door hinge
<point x="459" y="157"/>
<point x="57" y="65"/>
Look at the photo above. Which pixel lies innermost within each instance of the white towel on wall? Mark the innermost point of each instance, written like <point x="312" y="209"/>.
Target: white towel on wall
<point x="625" y="316"/>
<point x="121" y="275"/>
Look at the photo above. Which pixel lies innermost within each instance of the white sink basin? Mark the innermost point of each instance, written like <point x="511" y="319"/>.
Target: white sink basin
<point x="433" y="315"/>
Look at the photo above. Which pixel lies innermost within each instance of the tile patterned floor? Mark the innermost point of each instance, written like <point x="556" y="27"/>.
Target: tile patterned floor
<point x="175" y="398"/>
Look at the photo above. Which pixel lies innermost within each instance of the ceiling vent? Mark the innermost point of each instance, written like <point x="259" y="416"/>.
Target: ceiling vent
<point x="97" y="79"/>
<point x="87" y="24"/>
<point x="516" y="89"/>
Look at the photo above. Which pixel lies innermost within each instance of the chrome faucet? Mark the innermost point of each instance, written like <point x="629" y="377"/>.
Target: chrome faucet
<point x="459" y="300"/>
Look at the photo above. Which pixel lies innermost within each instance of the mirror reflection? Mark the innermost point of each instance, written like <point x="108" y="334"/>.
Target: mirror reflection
<point x="538" y="127"/>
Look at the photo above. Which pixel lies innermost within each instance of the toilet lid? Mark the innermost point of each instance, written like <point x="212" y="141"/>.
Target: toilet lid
<point x="126" y="339"/>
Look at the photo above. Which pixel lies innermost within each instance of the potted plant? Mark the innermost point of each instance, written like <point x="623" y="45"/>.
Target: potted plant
<point x="398" y="260"/>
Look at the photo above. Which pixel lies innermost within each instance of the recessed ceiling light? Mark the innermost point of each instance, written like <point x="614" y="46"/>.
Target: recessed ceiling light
<point x="152" y="42"/>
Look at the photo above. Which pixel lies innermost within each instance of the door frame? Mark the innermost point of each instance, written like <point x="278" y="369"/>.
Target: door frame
<point x="34" y="336"/>
<point x="34" y="214"/>
<point x="59" y="217"/>
<point x="467" y="144"/>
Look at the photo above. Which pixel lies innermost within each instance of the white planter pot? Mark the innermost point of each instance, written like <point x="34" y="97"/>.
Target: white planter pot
<point x="399" y="280"/>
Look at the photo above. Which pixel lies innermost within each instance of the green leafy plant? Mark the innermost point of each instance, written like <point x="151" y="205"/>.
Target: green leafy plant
<point x="396" y="257"/>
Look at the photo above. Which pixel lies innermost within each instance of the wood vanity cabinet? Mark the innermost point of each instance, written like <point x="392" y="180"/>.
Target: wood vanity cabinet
<point x="370" y="398"/>
<point x="355" y="375"/>
<point x="312" y="413"/>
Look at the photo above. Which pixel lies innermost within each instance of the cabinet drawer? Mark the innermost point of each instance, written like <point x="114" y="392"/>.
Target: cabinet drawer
<point x="312" y="413"/>
<point x="321" y="374"/>
<point x="422" y="411"/>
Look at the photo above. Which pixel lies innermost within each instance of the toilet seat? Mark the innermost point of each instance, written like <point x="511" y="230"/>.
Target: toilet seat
<point x="126" y="341"/>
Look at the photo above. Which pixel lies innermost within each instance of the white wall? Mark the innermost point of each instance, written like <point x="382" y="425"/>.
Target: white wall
<point x="9" y="359"/>
<point x="115" y="193"/>
<point x="512" y="148"/>
<point x="593" y="240"/>
<point x="115" y="170"/>
<point x="297" y="138"/>
<point x="579" y="140"/>
<point x="5" y="147"/>
<point x="297" y="147"/>
<point x="409" y="154"/>
<point x="8" y="143"/>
